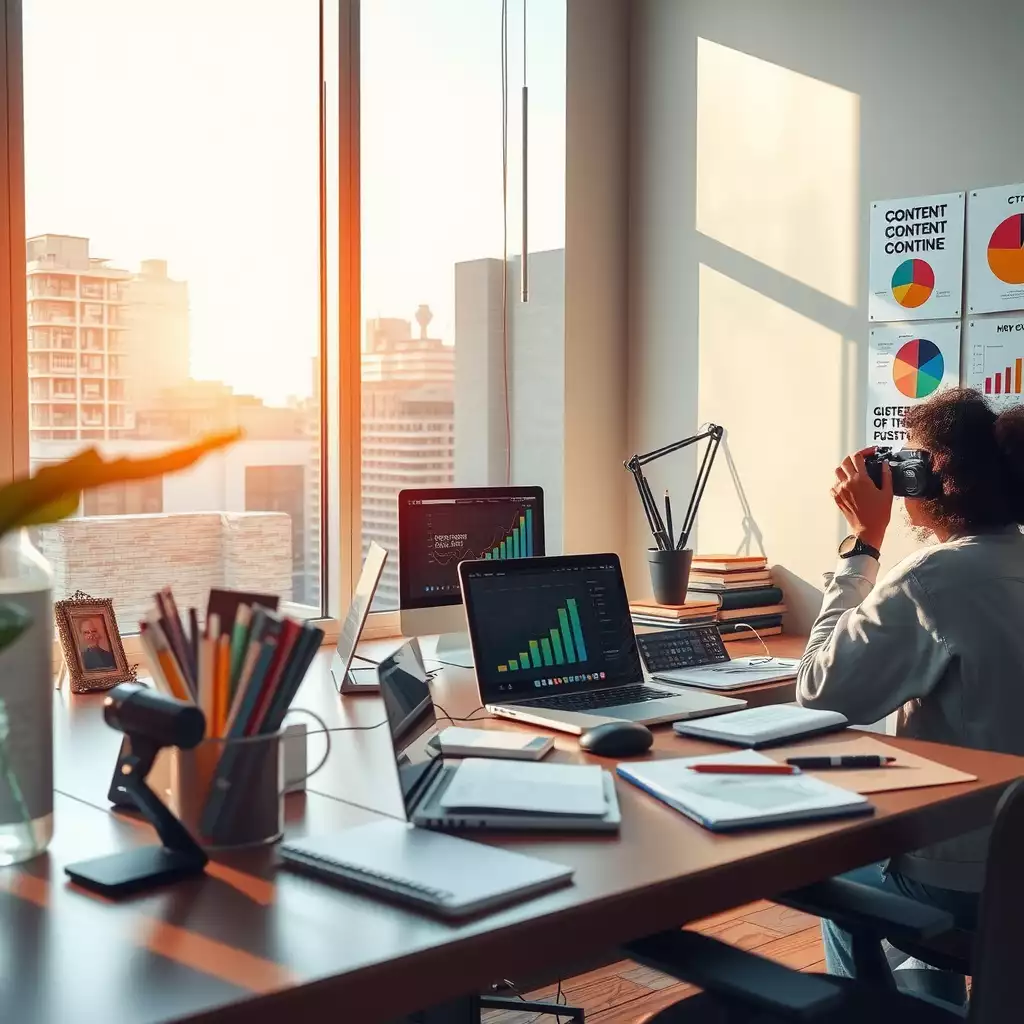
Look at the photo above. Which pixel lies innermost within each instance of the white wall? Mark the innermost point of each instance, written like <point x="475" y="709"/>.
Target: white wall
<point x="596" y="264"/>
<point x="761" y="129"/>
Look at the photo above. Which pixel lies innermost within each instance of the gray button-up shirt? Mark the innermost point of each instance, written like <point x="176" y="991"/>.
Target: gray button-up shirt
<point x="941" y="638"/>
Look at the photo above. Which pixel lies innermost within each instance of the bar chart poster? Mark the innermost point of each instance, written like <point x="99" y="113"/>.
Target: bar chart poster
<point x="995" y="249"/>
<point x="916" y="258"/>
<point x="995" y="360"/>
<point x="907" y="364"/>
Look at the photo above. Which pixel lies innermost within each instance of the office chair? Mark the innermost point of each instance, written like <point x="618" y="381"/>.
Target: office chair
<point x="742" y="988"/>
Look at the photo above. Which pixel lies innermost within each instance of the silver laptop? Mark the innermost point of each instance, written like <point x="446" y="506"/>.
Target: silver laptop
<point x="424" y="773"/>
<point x="346" y="678"/>
<point x="553" y="645"/>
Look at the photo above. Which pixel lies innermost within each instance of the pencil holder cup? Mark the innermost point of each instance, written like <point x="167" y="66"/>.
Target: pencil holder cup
<point x="229" y="793"/>
<point x="670" y="574"/>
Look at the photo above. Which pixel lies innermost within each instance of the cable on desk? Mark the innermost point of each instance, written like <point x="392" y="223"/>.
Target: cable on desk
<point x="465" y="718"/>
<point x="768" y="654"/>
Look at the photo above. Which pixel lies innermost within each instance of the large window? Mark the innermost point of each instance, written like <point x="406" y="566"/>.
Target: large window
<point x="432" y="127"/>
<point x="172" y="169"/>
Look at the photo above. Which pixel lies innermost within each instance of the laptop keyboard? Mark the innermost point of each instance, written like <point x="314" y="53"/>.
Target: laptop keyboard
<point x="636" y="693"/>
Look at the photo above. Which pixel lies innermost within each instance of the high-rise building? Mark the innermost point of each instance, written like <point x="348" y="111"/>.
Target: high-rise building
<point x="157" y="336"/>
<point x="102" y="341"/>
<point x="408" y="426"/>
<point x="75" y="342"/>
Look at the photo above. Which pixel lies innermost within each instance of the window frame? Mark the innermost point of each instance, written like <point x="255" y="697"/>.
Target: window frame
<point x="340" y="312"/>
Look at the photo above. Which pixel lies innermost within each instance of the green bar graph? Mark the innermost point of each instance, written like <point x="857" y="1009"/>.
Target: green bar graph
<point x="556" y="642"/>
<point x="564" y="645"/>
<point x="545" y="649"/>
<point x="570" y="647"/>
<point x="519" y="542"/>
<point x="535" y="653"/>
<point x="577" y="629"/>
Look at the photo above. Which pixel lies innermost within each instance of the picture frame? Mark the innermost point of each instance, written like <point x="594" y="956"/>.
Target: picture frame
<point x="90" y="642"/>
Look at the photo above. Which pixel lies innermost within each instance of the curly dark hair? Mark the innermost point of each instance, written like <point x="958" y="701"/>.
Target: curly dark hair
<point x="978" y="456"/>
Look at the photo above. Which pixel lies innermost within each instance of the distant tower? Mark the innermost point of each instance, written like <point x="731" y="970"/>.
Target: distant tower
<point x="423" y="318"/>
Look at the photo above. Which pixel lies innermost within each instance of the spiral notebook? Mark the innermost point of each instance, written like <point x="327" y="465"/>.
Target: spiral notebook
<point x="443" y="874"/>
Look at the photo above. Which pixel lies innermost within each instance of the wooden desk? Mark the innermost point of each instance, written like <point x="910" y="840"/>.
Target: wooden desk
<point x="244" y="943"/>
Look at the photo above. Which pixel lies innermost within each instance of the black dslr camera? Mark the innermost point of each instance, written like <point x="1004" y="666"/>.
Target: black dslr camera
<point x="912" y="475"/>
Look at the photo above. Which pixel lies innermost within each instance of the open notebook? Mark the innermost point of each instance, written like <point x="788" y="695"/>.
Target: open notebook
<point x="723" y="803"/>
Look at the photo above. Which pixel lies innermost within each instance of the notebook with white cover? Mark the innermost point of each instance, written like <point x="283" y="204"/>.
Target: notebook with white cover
<point x="723" y="803"/>
<point x="733" y="675"/>
<point x="449" y="876"/>
<point x="574" y="789"/>
<point x="761" y="727"/>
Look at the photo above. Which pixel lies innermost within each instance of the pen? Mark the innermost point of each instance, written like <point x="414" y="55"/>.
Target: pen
<point x="724" y="768"/>
<point x="857" y="761"/>
<point x="668" y="521"/>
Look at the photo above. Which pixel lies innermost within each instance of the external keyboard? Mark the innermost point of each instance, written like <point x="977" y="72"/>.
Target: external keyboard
<point x="636" y="693"/>
<point x="689" y="647"/>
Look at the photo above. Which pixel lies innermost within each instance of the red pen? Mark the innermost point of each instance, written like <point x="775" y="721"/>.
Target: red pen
<point x="724" y="768"/>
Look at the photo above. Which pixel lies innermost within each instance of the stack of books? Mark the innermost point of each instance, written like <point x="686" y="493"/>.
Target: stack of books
<point x="742" y="587"/>
<point x="701" y="611"/>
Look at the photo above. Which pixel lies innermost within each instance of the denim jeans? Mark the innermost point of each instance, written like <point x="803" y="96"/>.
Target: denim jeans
<point x="962" y="905"/>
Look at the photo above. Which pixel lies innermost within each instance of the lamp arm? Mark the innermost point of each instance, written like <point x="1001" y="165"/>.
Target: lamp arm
<point x="698" y="486"/>
<point x="713" y="431"/>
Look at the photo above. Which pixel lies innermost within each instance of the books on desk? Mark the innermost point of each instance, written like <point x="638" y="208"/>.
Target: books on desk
<point x="432" y="871"/>
<point x="723" y="803"/>
<point x="665" y="616"/>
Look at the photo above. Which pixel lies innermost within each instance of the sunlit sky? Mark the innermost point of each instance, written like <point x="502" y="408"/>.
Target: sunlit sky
<point x="186" y="130"/>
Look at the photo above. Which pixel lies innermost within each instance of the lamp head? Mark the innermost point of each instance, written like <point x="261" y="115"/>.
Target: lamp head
<point x="144" y="714"/>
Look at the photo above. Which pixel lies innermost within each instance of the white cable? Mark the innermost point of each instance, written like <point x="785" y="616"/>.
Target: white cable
<point x="768" y="654"/>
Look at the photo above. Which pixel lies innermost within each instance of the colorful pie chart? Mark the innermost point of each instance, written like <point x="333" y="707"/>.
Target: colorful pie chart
<point x="1006" y="250"/>
<point x="917" y="368"/>
<point x="912" y="282"/>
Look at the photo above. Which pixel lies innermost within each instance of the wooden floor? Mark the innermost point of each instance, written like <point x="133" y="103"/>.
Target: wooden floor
<point x="625" y="993"/>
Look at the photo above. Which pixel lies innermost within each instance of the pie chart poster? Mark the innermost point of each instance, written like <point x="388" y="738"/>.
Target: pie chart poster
<point x="908" y="363"/>
<point x="916" y="258"/>
<point x="995" y="249"/>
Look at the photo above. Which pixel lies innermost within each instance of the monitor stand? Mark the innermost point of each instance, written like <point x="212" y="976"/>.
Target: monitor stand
<point x="454" y="649"/>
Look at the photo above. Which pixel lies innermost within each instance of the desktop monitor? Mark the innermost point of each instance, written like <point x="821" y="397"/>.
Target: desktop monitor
<point x="440" y="527"/>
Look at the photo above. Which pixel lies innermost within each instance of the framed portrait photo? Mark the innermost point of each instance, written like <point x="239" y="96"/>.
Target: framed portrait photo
<point x="91" y="643"/>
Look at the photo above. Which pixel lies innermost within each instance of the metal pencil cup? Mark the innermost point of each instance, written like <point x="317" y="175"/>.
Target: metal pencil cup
<point x="230" y="793"/>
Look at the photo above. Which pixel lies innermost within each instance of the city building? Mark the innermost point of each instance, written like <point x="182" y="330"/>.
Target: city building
<point x="102" y="340"/>
<point x="408" y="428"/>
<point x="157" y="337"/>
<point x="76" y="345"/>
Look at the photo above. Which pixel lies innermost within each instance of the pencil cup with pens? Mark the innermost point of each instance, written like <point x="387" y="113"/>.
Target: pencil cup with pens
<point x="670" y="558"/>
<point x="242" y="667"/>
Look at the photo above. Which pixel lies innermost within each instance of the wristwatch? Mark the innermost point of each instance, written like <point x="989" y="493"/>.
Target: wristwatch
<point x="853" y="545"/>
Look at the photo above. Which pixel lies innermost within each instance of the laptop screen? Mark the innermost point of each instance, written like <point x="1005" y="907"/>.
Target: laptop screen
<point x="405" y="691"/>
<point x="542" y="626"/>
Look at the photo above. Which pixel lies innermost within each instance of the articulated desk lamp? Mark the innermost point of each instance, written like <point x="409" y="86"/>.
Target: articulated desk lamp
<point x="670" y="559"/>
<point x="150" y="721"/>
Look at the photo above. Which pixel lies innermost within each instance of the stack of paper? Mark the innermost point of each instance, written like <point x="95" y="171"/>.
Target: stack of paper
<point x="725" y="802"/>
<point x="566" y="789"/>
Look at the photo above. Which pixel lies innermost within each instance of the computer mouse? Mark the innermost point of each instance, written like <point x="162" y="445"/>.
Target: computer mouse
<point x="617" y="739"/>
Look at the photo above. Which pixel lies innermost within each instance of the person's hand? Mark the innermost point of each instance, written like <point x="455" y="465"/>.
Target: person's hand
<point x="867" y="508"/>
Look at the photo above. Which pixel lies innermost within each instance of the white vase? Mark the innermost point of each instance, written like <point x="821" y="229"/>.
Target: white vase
<point x="26" y="689"/>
